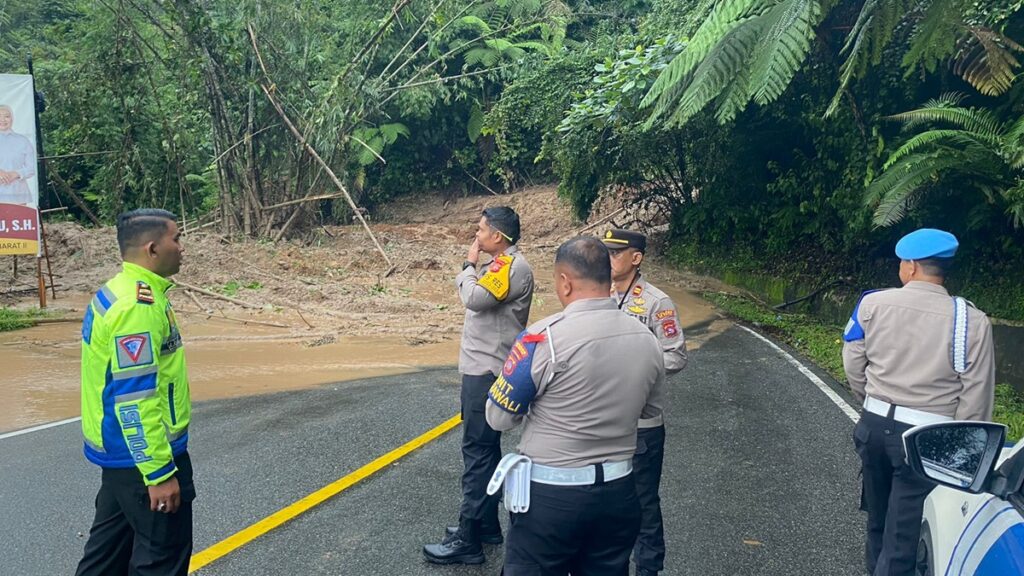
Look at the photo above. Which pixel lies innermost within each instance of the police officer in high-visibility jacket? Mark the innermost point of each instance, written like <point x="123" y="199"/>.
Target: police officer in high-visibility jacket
<point x="913" y="356"/>
<point x="578" y="382"/>
<point x="640" y="299"/>
<point x="136" y="409"/>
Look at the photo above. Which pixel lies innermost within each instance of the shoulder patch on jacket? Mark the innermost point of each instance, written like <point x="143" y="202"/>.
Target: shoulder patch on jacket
<point x="854" y="331"/>
<point x="143" y="293"/>
<point x="497" y="279"/>
<point x="134" y="350"/>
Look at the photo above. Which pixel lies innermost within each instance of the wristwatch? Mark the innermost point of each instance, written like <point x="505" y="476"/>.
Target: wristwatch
<point x="468" y="264"/>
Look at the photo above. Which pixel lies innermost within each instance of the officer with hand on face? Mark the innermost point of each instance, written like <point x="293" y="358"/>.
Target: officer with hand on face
<point x="635" y="296"/>
<point x="913" y="355"/>
<point x="578" y="382"/>
<point x="136" y="409"/>
<point x="497" y="305"/>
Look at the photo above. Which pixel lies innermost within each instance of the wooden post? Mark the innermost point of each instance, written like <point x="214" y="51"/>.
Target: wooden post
<point x="46" y="253"/>
<point x="42" y="283"/>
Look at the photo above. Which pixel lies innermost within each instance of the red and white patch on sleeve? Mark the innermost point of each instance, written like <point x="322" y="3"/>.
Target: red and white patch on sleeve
<point x="669" y="328"/>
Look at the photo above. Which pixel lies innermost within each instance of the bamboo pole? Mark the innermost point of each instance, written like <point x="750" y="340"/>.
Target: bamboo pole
<point x="303" y="200"/>
<point x="334" y="178"/>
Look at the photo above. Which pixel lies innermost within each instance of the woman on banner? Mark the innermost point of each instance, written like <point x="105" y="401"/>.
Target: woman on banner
<point x="17" y="162"/>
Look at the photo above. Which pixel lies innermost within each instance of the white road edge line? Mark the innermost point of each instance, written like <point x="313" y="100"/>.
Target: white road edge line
<point x="38" y="428"/>
<point x="835" y="398"/>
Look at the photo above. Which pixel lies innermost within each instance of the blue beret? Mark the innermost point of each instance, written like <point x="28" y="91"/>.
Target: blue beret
<point x="927" y="243"/>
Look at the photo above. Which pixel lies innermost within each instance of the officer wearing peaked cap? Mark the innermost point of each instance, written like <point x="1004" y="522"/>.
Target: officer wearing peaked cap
<point x="577" y="382"/>
<point x="635" y="296"/>
<point x="912" y="355"/>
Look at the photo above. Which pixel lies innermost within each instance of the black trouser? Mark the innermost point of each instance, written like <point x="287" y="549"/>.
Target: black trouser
<point x="128" y="539"/>
<point x="893" y="496"/>
<point x="649" y="552"/>
<point x="481" y="452"/>
<point x="578" y="530"/>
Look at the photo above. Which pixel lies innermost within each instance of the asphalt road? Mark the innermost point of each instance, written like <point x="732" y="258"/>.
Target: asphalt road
<point x="760" y="477"/>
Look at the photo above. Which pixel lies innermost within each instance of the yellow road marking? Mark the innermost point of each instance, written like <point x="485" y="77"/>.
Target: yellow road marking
<point x="243" y="537"/>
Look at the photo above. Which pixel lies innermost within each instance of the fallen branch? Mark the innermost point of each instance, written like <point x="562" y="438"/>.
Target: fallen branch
<point x="39" y="321"/>
<point x="486" y="187"/>
<point x="195" y="299"/>
<point x="299" y="312"/>
<point x="262" y="272"/>
<point x="601" y="221"/>
<point x="302" y="200"/>
<point x="210" y="315"/>
<point x="211" y="294"/>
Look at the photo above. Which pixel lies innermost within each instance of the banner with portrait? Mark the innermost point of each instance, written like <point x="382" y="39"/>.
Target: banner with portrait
<point x="19" y="182"/>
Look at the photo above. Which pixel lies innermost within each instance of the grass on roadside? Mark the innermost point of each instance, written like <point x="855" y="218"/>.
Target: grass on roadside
<point x="820" y="342"/>
<point x="11" y="319"/>
<point x="823" y="344"/>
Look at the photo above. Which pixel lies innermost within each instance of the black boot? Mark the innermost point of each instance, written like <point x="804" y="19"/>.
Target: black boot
<point x="486" y="537"/>
<point x="463" y="547"/>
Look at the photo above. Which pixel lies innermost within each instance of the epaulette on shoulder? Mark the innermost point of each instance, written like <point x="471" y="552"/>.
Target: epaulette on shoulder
<point x="500" y="262"/>
<point x="143" y="293"/>
<point x="542" y="325"/>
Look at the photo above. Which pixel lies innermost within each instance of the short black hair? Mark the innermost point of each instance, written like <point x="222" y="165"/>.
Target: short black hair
<point x="505" y="220"/>
<point x="936" y="266"/>
<point x="137" y="227"/>
<point x="587" y="257"/>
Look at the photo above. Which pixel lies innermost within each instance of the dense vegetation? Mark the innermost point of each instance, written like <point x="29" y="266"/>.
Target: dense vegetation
<point x="788" y="136"/>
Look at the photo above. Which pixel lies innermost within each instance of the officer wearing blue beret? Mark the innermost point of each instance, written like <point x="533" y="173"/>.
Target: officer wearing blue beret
<point x="913" y="356"/>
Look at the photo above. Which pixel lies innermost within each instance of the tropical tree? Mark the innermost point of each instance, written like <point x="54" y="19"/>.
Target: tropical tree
<point x="968" y="149"/>
<point x="750" y="50"/>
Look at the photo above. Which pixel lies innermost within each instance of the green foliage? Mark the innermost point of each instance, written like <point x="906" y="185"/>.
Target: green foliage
<point x="746" y="50"/>
<point x="977" y="154"/>
<point x="231" y="288"/>
<point x="620" y="83"/>
<point x="529" y="108"/>
<point x="13" y="319"/>
<point x="751" y="50"/>
<point x="1009" y="410"/>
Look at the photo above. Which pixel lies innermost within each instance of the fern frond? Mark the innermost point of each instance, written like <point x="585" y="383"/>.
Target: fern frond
<point x="874" y="28"/>
<point x="475" y="56"/>
<point x="718" y="70"/>
<point x="673" y="80"/>
<point x="475" y="23"/>
<point x="784" y="47"/>
<point x="1014" y="198"/>
<point x="898" y="189"/>
<point x="391" y="132"/>
<point x="935" y="36"/>
<point x="980" y="121"/>
<point x="920" y="141"/>
<point x="986" y="61"/>
<point x="475" y="124"/>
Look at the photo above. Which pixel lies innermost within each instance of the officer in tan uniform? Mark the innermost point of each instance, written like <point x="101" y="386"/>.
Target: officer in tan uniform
<point x="652" y="307"/>
<point x="913" y="355"/>
<point x="578" y="381"/>
<point x="497" y="301"/>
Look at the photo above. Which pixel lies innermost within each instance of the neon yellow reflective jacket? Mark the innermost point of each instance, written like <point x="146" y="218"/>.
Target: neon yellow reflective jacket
<point x="135" y="394"/>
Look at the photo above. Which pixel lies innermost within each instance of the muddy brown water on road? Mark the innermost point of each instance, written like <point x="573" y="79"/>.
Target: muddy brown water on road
<point x="39" y="367"/>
